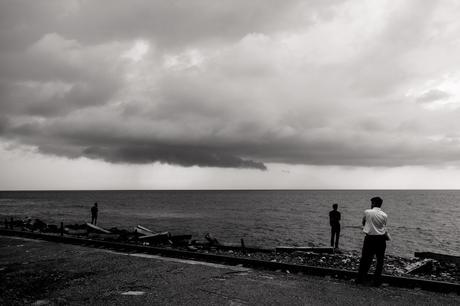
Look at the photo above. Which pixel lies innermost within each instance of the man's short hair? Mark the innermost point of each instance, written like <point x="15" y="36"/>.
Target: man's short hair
<point x="377" y="201"/>
<point x="335" y="205"/>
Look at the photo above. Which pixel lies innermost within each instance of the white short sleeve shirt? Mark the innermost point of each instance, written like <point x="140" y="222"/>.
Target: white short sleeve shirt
<point x="376" y="221"/>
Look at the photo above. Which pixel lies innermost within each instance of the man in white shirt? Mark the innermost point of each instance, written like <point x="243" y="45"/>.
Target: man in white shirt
<point x="374" y="226"/>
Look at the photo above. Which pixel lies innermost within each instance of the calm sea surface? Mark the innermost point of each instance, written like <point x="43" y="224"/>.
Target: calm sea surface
<point x="418" y="220"/>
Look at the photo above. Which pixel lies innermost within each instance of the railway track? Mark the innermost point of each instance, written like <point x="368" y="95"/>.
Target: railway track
<point x="397" y="281"/>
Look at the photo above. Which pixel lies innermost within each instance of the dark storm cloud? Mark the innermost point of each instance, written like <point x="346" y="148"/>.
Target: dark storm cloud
<point x="184" y="156"/>
<point x="170" y="23"/>
<point x="231" y="83"/>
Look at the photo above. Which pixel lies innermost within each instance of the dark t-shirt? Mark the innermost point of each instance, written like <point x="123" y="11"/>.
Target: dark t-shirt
<point x="334" y="218"/>
<point x="94" y="211"/>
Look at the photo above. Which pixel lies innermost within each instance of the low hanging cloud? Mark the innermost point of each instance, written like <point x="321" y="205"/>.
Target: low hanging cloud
<point x="176" y="154"/>
<point x="232" y="84"/>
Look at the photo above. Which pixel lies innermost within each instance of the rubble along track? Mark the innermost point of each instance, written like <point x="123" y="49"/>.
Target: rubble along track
<point x="397" y="281"/>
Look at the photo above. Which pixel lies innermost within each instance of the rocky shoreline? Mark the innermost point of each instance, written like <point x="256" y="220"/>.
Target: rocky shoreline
<point x="338" y="259"/>
<point x="349" y="260"/>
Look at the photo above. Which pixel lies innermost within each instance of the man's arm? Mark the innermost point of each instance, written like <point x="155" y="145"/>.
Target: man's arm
<point x="364" y="220"/>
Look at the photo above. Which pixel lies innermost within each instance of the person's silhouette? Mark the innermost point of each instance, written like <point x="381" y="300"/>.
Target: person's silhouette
<point x="94" y="211"/>
<point x="334" y="220"/>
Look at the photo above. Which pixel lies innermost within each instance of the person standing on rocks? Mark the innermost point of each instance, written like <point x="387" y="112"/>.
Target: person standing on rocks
<point x="334" y="221"/>
<point x="94" y="212"/>
<point x="374" y="226"/>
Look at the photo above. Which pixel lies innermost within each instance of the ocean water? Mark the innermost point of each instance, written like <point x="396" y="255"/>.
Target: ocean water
<point x="419" y="220"/>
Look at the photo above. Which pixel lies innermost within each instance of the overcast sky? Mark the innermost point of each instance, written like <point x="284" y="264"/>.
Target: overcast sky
<point x="229" y="94"/>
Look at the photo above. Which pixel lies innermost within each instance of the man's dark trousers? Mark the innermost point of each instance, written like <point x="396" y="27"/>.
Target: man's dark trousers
<point x="373" y="245"/>
<point x="335" y="233"/>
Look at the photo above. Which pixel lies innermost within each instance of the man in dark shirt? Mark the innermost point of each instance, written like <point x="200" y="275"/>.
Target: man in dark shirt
<point x="334" y="220"/>
<point x="94" y="211"/>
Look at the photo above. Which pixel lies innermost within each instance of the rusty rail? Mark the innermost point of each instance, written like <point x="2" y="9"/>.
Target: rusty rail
<point x="405" y="282"/>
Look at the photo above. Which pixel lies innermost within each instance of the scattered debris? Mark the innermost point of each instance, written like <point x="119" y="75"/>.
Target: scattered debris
<point x="133" y="293"/>
<point x="97" y="229"/>
<point x="180" y="239"/>
<point x="104" y="236"/>
<point x="434" y="266"/>
<point x="438" y="256"/>
<point x="211" y="239"/>
<point x="41" y="302"/>
<point x="425" y="265"/>
<point x="139" y="229"/>
<point x="288" y="249"/>
<point x="164" y="236"/>
<point x="76" y="229"/>
<point x="192" y="248"/>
